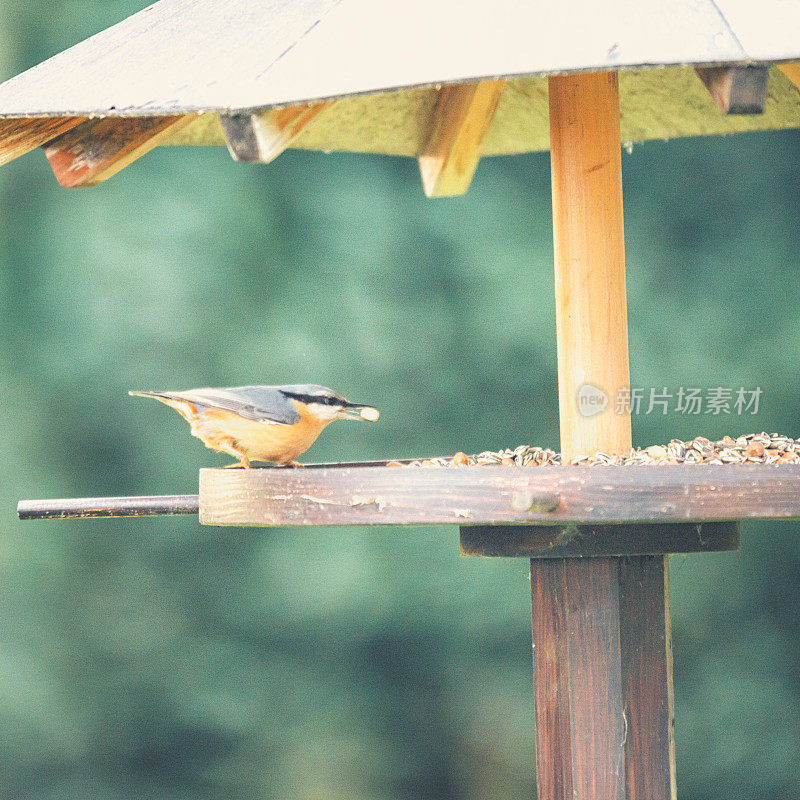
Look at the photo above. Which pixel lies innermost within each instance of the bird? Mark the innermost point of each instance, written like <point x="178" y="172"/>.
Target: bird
<point x="261" y="423"/>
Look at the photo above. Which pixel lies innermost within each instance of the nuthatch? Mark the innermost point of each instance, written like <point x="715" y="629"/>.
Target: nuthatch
<point x="261" y="423"/>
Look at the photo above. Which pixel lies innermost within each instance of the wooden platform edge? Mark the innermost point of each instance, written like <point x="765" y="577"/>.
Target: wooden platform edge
<point x="490" y="495"/>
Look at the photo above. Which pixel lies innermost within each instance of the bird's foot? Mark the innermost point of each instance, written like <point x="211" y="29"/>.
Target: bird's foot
<point x="244" y="463"/>
<point x="296" y="465"/>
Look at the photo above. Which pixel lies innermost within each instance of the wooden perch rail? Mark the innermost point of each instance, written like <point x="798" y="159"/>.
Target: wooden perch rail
<point x="170" y="505"/>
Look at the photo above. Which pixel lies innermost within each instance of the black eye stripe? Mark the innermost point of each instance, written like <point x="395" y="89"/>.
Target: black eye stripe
<point x="310" y="398"/>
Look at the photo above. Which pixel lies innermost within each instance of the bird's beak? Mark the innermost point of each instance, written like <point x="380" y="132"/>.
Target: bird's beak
<point x="361" y="413"/>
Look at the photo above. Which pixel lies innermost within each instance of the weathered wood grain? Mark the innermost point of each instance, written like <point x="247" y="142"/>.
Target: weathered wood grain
<point x="737" y="89"/>
<point x="602" y="676"/>
<point x="459" y="124"/>
<point x="97" y="149"/>
<point x="262" y="137"/>
<point x="20" y="136"/>
<point x="93" y="507"/>
<point x="560" y="541"/>
<point x="646" y="667"/>
<point x="498" y="495"/>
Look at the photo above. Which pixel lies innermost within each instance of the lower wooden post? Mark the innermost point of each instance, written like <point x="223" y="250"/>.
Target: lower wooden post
<point x="602" y="655"/>
<point x="603" y="677"/>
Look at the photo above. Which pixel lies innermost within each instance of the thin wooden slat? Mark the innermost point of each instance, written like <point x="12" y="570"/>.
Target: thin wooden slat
<point x="491" y="495"/>
<point x="459" y="123"/>
<point x="560" y="541"/>
<point x="20" y="136"/>
<point x="99" y="148"/>
<point x="736" y="90"/>
<point x="792" y="71"/>
<point x="261" y="138"/>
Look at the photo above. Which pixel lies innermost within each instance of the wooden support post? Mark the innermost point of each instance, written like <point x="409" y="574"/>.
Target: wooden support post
<point x="99" y="148"/>
<point x="261" y="137"/>
<point x="589" y="247"/>
<point x="602" y="653"/>
<point x="459" y="123"/>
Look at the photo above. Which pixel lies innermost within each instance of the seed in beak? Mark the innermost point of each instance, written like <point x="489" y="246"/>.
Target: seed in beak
<point x="370" y="413"/>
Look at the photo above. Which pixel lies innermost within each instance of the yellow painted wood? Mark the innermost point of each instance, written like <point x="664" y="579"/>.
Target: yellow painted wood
<point x="655" y="104"/>
<point x="588" y="238"/>
<point x="459" y="123"/>
<point x="792" y="72"/>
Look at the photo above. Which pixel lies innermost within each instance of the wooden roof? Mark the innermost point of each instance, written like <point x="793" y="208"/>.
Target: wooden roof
<point x="376" y="66"/>
<point x="189" y="56"/>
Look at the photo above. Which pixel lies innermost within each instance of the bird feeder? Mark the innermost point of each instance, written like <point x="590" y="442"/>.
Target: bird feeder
<point x="578" y="78"/>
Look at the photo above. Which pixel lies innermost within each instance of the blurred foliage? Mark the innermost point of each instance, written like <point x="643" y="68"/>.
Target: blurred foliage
<point x="159" y="659"/>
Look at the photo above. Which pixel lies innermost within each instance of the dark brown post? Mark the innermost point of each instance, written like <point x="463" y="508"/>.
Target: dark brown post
<point x="602" y="658"/>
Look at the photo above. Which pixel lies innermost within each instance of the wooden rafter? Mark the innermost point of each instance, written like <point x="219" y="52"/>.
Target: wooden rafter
<point x="97" y="149"/>
<point x="792" y="71"/>
<point x="20" y="136"/>
<point x="736" y="90"/>
<point x="262" y="137"/>
<point x="460" y="121"/>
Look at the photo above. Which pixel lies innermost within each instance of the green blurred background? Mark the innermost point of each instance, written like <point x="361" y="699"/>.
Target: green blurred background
<point x="158" y="659"/>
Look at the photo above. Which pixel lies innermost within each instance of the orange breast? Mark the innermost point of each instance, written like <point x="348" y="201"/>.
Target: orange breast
<point x="259" y="441"/>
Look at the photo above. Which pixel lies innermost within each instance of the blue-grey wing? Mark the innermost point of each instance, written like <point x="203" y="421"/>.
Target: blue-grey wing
<point x="261" y="403"/>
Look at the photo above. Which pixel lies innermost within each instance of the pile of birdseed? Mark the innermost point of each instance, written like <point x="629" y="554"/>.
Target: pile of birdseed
<point x="754" y="448"/>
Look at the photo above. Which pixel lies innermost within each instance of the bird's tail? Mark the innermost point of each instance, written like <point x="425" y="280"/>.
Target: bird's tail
<point x="186" y="409"/>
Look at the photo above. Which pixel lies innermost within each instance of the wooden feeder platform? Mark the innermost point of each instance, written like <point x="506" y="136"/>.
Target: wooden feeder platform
<point x="543" y="511"/>
<point x="506" y="78"/>
<point x="495" y="495"/>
